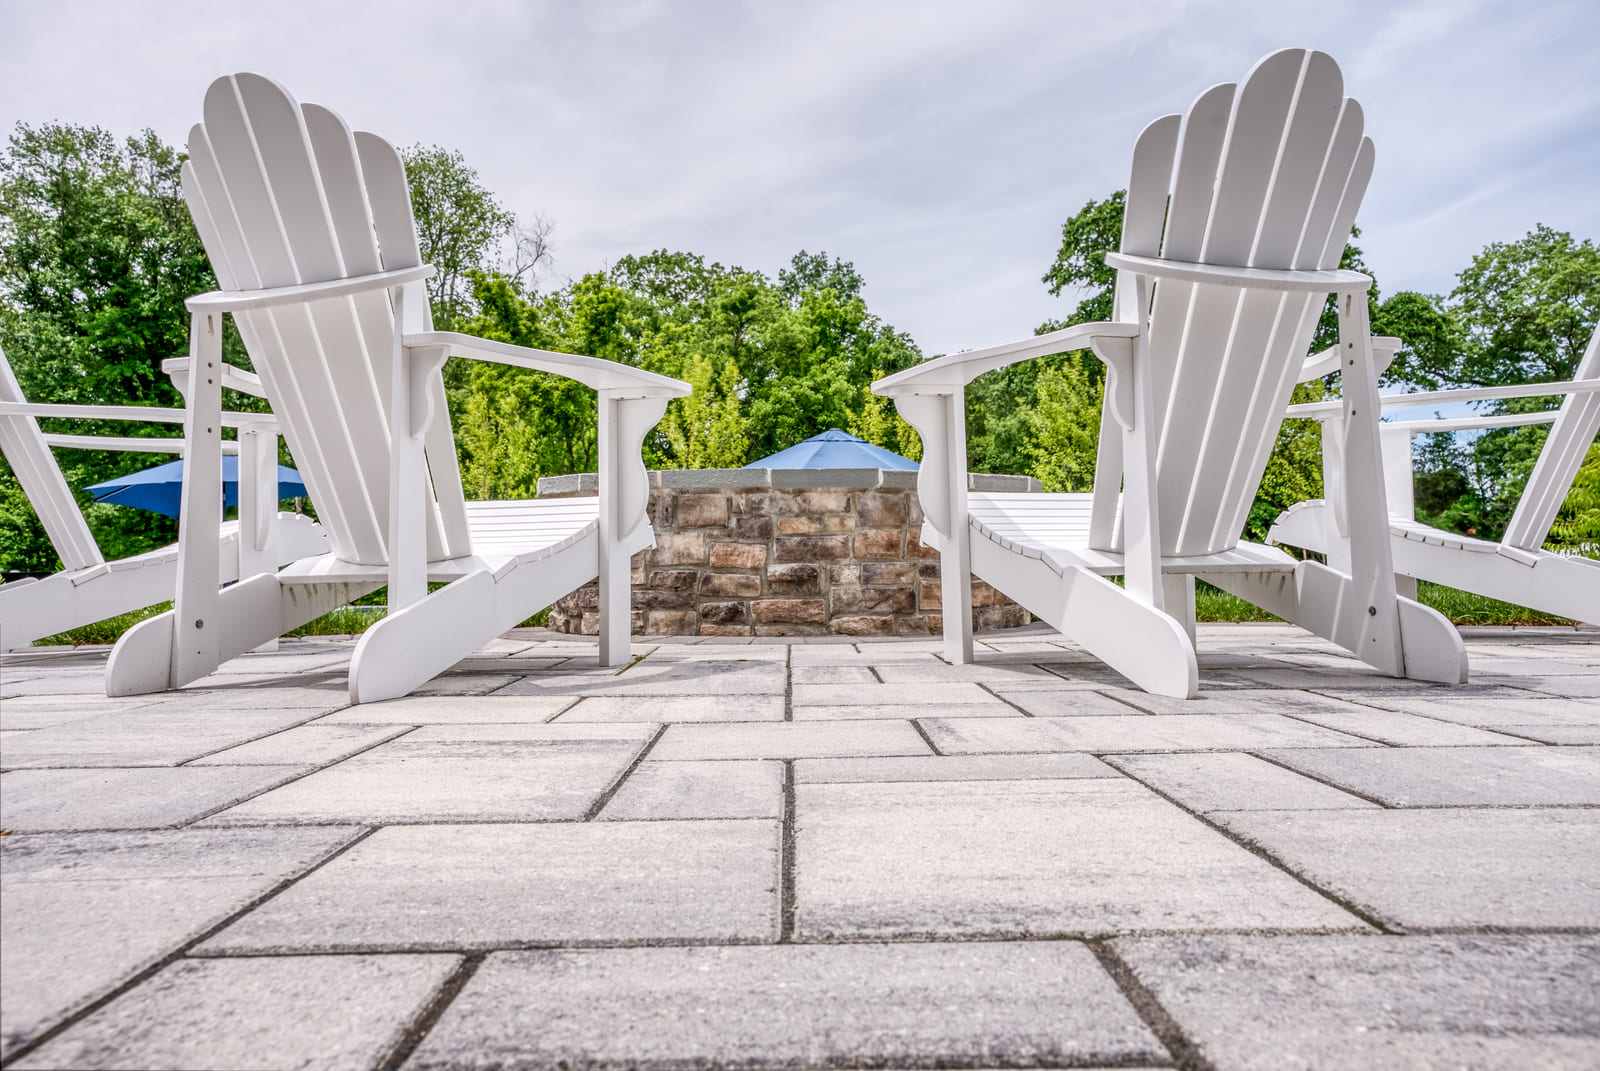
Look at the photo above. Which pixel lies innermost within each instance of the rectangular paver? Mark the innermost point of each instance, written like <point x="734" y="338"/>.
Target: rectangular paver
<point x="306" y="745"/>
<point x="1062" y="702"/>
<point x="790" y="740"/>
<point x="1131" y="732"/>
<point x="83" y="912"/>
<point x="33" y="801"/>
<point x="450" y="710"/>
<point x="1268" y="1003"/>
<point x="674" y="708"/>
<point x="1227" y="781"/>
<point x="952" y="768"/>
<point x="911" y="695"/>
<point x="1443" y="868"/>
<point x="930" y="1005"/>
<point x="452" y="773"/>
<point x="459" y="887"/>
<point x="657" y="790"/>
<point x="1458" y="776"/>
<point x="149" y="736"/>
<point x="684" y="677"/>
<point x="1014" y="858"/>
<point x="246" y="1014"/>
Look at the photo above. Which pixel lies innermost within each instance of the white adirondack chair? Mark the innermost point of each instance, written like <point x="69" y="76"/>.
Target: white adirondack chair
<point x="1517" y="569"/>
<point x="309" y="229"/>
<point x="1237" y="212"/>
<point x="89" y="588"/>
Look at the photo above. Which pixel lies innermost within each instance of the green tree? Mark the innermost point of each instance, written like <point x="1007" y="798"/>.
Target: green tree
<point x="1577" y="526"/>
<point x="1065" y="422"/>
<point x="878" y="422"/>
<point x="460" y="226"/>
<point x="707" y="430"/>
<point x="97" y="254"/>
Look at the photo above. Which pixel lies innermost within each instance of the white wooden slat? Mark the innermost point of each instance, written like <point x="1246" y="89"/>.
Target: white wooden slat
<point x="390" y="200"/>
<point x="36" y="470"/>
<point x="354" y="528"/>
<point x="1265" y="351"/>
<point x="218" y="225"/>
<point x="1249" y="157"/>
<point x="277" y="125"/>
<point x="1564" y="450"/>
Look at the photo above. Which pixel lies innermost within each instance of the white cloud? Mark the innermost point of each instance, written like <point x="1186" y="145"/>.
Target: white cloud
<point x="938" y="145"/>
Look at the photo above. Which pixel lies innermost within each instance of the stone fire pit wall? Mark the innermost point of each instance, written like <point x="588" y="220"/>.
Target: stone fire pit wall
<point x="785" y="552"/>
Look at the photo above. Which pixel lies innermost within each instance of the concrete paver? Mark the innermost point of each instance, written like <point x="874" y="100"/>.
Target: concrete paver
<point x="790" y="740"/>
<point x="1228" y="781"/>
<point x="1374" y="1001"/>
<point x="35" y="801"/>
<point x="1458" y="776"/>
<point x="930" y="1005"/>
<point x="1027" y="858"/>
<point x="1132" y="732"/>
<point x="285" y="1011"/>
<point x="1425" y="869"/>
<point x="85" y="911"/>
<point x="483" y="886"/>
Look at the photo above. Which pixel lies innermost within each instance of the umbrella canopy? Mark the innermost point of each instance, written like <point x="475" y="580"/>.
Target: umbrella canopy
<point x="161" y="489"/>
<point x="834" y="449"/>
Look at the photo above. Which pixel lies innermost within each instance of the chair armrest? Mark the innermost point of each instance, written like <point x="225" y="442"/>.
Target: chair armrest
<point x="128" y="446"/>
<point x="152" y="413"/>
<point x="1311" y="280"/>
<point x="1325" y="363"/>
<point x="1473" y="423"/>
<point x="952" y="372"/>
<point x="232" y="378"/>
<point x="272" y="297"/>
<point x="1322" y="410"/>
<point x="590" y="371"/>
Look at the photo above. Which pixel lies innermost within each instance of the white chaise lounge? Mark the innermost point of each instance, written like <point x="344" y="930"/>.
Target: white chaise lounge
<point x="1517" y="569"/>
<point x="1237" y="213"/>
<point x="89" y="588"/>
<point x="310" y="232"/>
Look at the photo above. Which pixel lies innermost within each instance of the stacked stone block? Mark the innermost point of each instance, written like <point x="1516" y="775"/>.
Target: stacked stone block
<point x="785" y="553"/>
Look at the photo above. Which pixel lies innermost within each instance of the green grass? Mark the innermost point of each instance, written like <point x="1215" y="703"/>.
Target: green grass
<point x="100" y="632"/>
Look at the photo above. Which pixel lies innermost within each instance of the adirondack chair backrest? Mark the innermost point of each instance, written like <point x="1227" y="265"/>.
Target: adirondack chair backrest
<point x="1570" y="438"/>
<point x="1267" y="174"/>
<point x="284" y="194"/>
<point x="30" y="458"/>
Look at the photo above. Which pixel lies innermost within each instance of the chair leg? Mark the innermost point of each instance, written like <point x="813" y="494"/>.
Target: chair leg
<point x="616" y="613"/>
<point x="1178" y="589"/>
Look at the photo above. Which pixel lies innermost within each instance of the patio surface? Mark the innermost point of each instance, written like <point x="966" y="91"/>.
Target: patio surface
<point x="810" y="853"/>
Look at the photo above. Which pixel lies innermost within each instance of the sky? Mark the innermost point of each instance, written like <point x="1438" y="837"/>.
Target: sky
<point x="939" y="146"/>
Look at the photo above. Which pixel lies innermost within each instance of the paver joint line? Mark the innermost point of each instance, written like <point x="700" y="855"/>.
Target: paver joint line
<point x="446" y="995"/>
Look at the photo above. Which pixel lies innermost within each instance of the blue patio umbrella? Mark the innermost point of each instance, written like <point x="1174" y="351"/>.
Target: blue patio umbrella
<point x="834" y="449"/>
<point x="160" y="489"/>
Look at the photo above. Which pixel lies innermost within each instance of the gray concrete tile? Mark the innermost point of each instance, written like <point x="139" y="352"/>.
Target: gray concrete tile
<point x="1443" y="868"/>
<point x="699" y="790"/>
<point x="927" y="1005"/>
<point x="952" y="768"/>
<point x="1063" y="702"/>
<point x="995" y="709"/>
<point x="1372" y="1002"/>
<point x="465" y="684"/>
<point x="1234" y="701"/>
<point x="674" y="708"/>
<point x="1015" y="858"/>
<point x="149" y="736"/>
<point x="84" y="912"/>
<point x="1132" y="732"/>
<point x="272" y="693"/>
<point x="35" y="801"/>
<point x="451" y="710"/>
<point x="1405" y="730"/>
<point x="677" y="677"/>
<point x="1571" y="687"/>
<point x="833" y="675"/>
<point x="1493" y="711"/>
<point x="1000" y="673"/>
<point x="908" y="695"/>
<point x="43" y="711"/>
<point x="246" y="1014"/>
<point x="1555" y="734"/>
<point x="456" y="887"/>
<point x="790" y="740"/>
<point x="444" y="773"/>
<point x="306" y="745"/>
<point x="1227" y="781"/>
<point x="1458" y="776"/>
